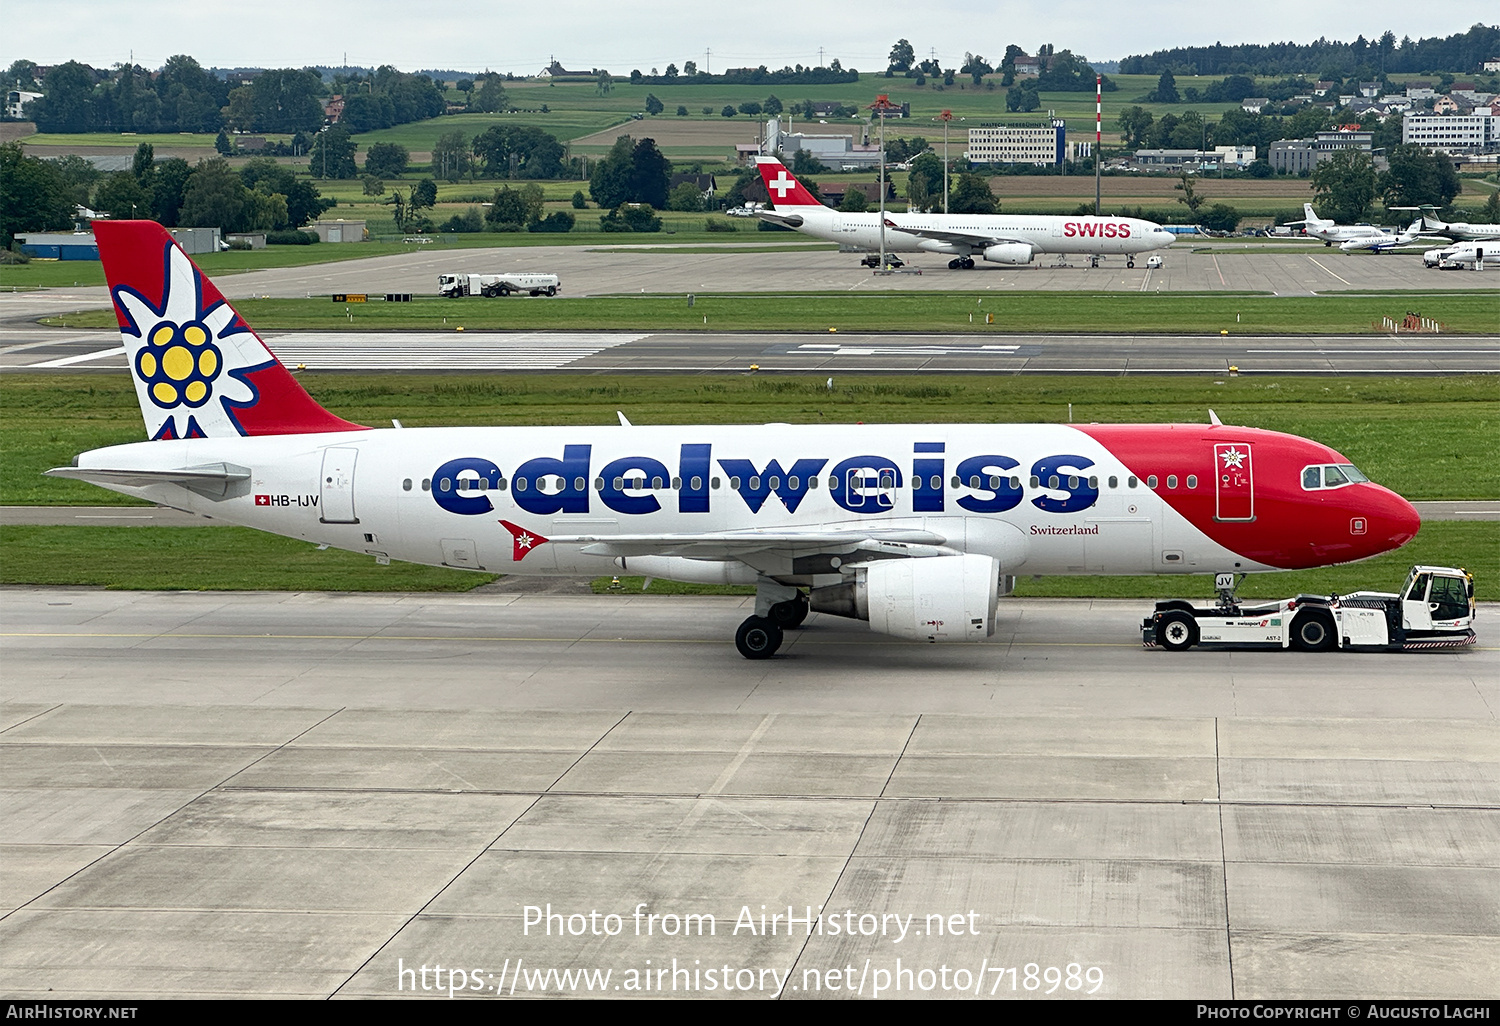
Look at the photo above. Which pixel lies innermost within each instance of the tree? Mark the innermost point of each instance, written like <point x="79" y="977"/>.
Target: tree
<point x="685" y="197"/>
<point x="772" y="106"/>
<point x="333" y="154"/>
<point x="579" y="200"/>
<point x="653" y="105"/>
<point x="492" y="98"/>
<point x="976" y="67"/>
<point x="855" y="201"/>
<point x="386" y="160"/>
<point x="972" y="195"/>
<point x="168" y="185"/>
<point x="671" y="71"/>
<point x="424" y="194"/>
<point x="33" y="195"/>
<point x="604" y="83"/>
<point x="630" y="218"/>
<point x="223" y="145"/>
<point x="143" y="163"/>
<point x="372" y="186"/>
<point x="924" y="185"/>
<point x="1166" y="89"/>
<point x="507" y="211"/>
<point x="609" y="185"/>
<point x="681" y="111"/>
<point x="728" y="110"/>
<point x="1134" y="122"/>
<point x="1344" y="185"/>
<point x="1220" y="218"/>
<point x="1023" y="97"/>
<point x="121" y="195"/>
<point x="689" y="68"/>
<point x="749" y="107"/>
<point x="650" y="174"/>
<point x="215" y="197"/>
<point x="1189" y="197"/>
<point x="805" y="162"/>
<point x="1416" y="177"/>
<point x="902" y="56"/>
<point x="450" y="156"/>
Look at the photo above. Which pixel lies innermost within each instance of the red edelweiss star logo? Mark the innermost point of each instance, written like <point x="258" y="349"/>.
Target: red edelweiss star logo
<point x="523" y="541"/>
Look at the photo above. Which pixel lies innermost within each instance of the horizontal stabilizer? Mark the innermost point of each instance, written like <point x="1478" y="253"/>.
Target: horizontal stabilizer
<point x="212" y="480"/>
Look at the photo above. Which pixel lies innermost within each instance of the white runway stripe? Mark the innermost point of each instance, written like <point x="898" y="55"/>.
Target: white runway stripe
<point x="68" y="361"/>
<point x="442" y="351"/>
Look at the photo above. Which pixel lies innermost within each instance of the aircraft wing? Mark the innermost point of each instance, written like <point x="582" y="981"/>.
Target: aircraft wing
<point x="736" y="544"/>
<point x="960" y="238"/>
<point x="213" y="480"/>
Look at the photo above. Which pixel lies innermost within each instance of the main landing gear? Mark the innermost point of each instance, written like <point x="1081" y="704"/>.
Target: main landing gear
<point x="961" y="263"/>
<point x="760" y="636"/>
<point x="1130" y="262"/>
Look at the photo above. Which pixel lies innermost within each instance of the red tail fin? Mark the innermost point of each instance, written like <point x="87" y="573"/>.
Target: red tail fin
<point x="199" y="370"/>
<point x="782" y="186"/>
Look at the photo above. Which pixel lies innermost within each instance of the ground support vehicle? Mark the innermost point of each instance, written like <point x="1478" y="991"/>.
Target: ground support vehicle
<point x="1434" y="609"/>
<point x="532" y="283"/>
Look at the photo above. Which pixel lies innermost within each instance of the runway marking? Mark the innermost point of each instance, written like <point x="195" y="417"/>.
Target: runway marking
<point x="444" y="351"/>
<point x="1344" y="280"/>
<point x="838" y="349"/>
<point x="68" y="361"/>
<point x="1218" y="271"/>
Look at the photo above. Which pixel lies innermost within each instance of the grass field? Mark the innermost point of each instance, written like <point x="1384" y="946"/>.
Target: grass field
<point x="1428" y="438"/>
<point x="939" y="313"/>
<point x="239" y="559"/>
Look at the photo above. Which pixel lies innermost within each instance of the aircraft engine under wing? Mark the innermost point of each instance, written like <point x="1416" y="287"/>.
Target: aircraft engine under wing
<point x="785" y="220"/>
<point x="974" y="240"/>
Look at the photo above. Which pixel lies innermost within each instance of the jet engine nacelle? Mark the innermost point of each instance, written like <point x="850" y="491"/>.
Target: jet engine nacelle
<point x="1008" y="253"/>
<point x="941" y="598"/>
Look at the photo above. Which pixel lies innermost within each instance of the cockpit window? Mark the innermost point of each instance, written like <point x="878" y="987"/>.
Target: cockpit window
<point x="1331" y="476"/>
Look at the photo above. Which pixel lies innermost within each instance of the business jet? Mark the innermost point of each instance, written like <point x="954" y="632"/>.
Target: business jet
<point x="917" y="529"/>
<point x="1460" y="255"/>
<point x="998" y="238"/>
<point x="1385" y="241"/>
<point x="1326" y="230"/>
<point x="1458" y="231"/>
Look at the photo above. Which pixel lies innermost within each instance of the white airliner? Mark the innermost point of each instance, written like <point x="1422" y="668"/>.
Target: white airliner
<point x="1458" y="231"/>
<point x="1325" y="229"/>
<point x="1385" y="241"/>
<point x="1460" y="255"/>
<point x="916" y="528"/>
<point x="998" y="238"/>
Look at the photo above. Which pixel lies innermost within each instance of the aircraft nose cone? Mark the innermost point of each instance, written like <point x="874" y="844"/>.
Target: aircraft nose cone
<point x="1393" y="520"/>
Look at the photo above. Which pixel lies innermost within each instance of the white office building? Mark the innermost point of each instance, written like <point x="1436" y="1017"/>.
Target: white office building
<point x="1453" y="133"/>
<point x="1018" y="144"/>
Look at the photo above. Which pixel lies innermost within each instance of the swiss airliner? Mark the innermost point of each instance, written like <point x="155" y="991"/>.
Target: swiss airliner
<point x="916" y="528"/>
<point x="998" y="238"/>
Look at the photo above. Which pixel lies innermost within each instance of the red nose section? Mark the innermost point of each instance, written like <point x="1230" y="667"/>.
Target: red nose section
<point x="1395" y="520"/>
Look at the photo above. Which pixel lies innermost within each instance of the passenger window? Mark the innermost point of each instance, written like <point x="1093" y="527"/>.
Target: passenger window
<point x="1131" y="481"/>
<point x="598" y="484"/>
<point x="426" y="484"/>
<point x="714" y="483"/>
<point x="1072" y="480"/>
<point x="1192" y="481"/>
<point x="406" y="485"/>
<point x="1114" y="482"/>
<point x="792" y="482"/>
<point x="697" y="484"/>
<point x="1171" y="480"/>
<point x="1052" y="481"/>
<point x="1312" y="478"/>
<point x="1093" y="482"/>
<point x="957" y="483"/>
<point x="501" y="484"/>
<point x="657" y="484"/>
<point x="812" y="482"/>
<point x="676" y="483"/>
<point x="1333" y="476"/>
<point x="734" y="483"/>
<point x="1035" y="481"/>
<point x="1151" y="481"/>
<point x="520" y="484"/>
<point x="579" y="484"/>
<point x="446" y="485"/>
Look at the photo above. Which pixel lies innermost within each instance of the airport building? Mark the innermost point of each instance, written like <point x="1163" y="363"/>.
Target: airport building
<point x="1294" y="156"/>
<point x="1018" y="144"/>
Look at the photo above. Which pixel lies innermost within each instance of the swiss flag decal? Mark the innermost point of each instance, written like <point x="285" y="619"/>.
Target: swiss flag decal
<point x="262" y="500"/>
<point x="523" y="541"/>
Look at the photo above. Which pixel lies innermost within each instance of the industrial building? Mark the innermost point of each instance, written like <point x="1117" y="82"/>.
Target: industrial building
<point x="1477" y="132"/>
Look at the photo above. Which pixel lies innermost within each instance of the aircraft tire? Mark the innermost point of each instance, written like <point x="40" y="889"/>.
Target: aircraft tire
<point x="1130" y="262"/>
<point x="1312" y="631"/>
<point x="758" y="638"/>
<point x="954" y="264"/>
<point x="1176" y="631"/>
<point x="968" y="263"/>
<point x="789" y="615"/>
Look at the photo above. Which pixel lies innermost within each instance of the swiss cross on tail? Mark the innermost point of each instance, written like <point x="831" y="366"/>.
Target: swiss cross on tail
<point x="523" y="541"/>
<point x="782" y="186"/>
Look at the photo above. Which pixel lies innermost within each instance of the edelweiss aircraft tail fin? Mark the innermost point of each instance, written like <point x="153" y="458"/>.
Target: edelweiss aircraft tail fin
<point x="199" y="371"/>
<point x="782" y="186"/>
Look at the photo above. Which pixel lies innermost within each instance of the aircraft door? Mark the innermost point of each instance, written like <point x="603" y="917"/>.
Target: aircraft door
<point x="336" y="486"/>
<point x="1234" y="482"/>
<point x="1414" y="608"/>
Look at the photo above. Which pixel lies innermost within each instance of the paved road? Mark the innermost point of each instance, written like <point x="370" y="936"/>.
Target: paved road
<point x="812" y="353"/>
<point x="298" y="795"/>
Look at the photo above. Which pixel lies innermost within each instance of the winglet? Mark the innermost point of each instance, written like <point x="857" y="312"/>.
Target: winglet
<point x="1213" y="418"/>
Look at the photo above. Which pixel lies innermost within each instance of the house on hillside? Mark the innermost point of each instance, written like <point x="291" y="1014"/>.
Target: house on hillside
<point x="707" y="185"/>
<point x="556" y="70"/>
<point x="1254" y="104"/>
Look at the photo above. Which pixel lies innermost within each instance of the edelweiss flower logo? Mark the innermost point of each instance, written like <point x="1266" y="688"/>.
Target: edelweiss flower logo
<point x="185" y="355"/>
<point x="1233" y="458"/>
<point x="179" y="364"/>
